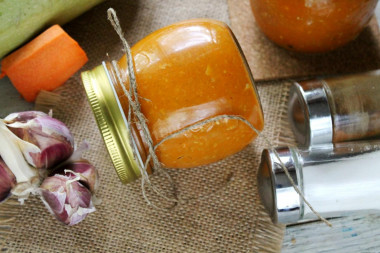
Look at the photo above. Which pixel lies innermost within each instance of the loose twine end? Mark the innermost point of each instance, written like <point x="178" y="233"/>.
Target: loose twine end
<point x="135" y="108"/>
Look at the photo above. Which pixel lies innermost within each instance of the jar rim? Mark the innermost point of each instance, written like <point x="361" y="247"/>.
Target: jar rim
<point x="112" y="122"/>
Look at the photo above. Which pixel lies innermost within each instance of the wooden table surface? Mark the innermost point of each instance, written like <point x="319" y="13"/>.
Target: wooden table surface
<point x="356" y="233"/>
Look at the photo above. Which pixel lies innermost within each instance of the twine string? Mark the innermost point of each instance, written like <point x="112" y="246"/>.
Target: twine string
<point x="135" y="107"/>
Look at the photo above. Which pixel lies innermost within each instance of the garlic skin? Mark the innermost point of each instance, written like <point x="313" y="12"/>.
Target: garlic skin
<point x="66" y="198"/>
<point x="88" y="174"/>
<point x="7" y="181"/>
<point x="50" y="135"/>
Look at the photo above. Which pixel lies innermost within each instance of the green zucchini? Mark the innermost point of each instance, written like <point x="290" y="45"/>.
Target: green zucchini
<point x="21" y="20"/>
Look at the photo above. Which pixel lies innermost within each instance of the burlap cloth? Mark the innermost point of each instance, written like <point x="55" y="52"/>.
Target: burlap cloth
<point x="229" y="218"/>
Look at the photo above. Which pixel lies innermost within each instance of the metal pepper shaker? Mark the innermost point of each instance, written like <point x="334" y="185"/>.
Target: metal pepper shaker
<point x="336" y="109"/>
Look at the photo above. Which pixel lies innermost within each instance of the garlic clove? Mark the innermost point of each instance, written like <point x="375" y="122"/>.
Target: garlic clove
<point x="13" y="157"/>
<point x="50" y="135"/>
<point x="7" y="181"/>
<point x="66" y="198"/>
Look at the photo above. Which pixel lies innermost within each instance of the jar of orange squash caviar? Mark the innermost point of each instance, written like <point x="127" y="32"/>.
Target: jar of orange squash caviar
<point x="312" y="25"/>
<point x="186" y="73"/>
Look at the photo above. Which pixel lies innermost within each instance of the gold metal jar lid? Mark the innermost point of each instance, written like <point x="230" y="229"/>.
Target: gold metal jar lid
<point x="111" y="121"/>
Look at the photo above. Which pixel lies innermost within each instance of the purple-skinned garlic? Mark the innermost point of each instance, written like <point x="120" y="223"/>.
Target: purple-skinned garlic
<point x="67" y="198"/>
<point x="51" y="136"/>
<point x="7" y="181"/>
<point x="69" y="194"/>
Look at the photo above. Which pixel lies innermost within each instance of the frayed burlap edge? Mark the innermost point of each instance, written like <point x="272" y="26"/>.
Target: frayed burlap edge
<point x="8" y="213"/>
<point x="286" y="135"/>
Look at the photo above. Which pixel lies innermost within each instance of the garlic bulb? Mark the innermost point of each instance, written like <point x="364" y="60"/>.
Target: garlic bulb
<point x="7" y="181"/>
<point x="68" y="194"/>
<point x="50" y="135"/>
<point x="67" y="198"/>
<point x="34" y="145"/>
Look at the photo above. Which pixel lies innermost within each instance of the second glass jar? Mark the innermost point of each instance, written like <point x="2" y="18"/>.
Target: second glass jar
<point x="312" y="25"/>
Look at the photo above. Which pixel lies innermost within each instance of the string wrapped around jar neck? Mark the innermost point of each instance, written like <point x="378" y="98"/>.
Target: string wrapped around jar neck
<point x="135" y="109"/>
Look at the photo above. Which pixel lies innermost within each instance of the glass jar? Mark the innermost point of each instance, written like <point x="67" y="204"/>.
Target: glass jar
<point x="186" y="73"/>
<point x="312" y="25"/>
<point x="336" y="109"/>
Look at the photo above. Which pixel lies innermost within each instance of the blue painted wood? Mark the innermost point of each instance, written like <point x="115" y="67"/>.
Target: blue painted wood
<point x="356" y="233"/>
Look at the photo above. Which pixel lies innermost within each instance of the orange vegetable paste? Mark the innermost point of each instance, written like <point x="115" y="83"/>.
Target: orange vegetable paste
<point x="312" y="25"/>
<point x="186" y="73"/>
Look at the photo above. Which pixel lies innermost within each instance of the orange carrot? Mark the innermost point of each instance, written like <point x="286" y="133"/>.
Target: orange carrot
<point x="45" y="63"/>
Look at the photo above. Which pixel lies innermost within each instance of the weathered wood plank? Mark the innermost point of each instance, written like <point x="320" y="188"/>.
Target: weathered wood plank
<point x="356" y="233"/>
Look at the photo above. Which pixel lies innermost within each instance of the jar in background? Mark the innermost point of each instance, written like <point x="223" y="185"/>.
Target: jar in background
<point x="312" y="25"/>
<point x="186" y="73"/>
<point x="336" y="109"/>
